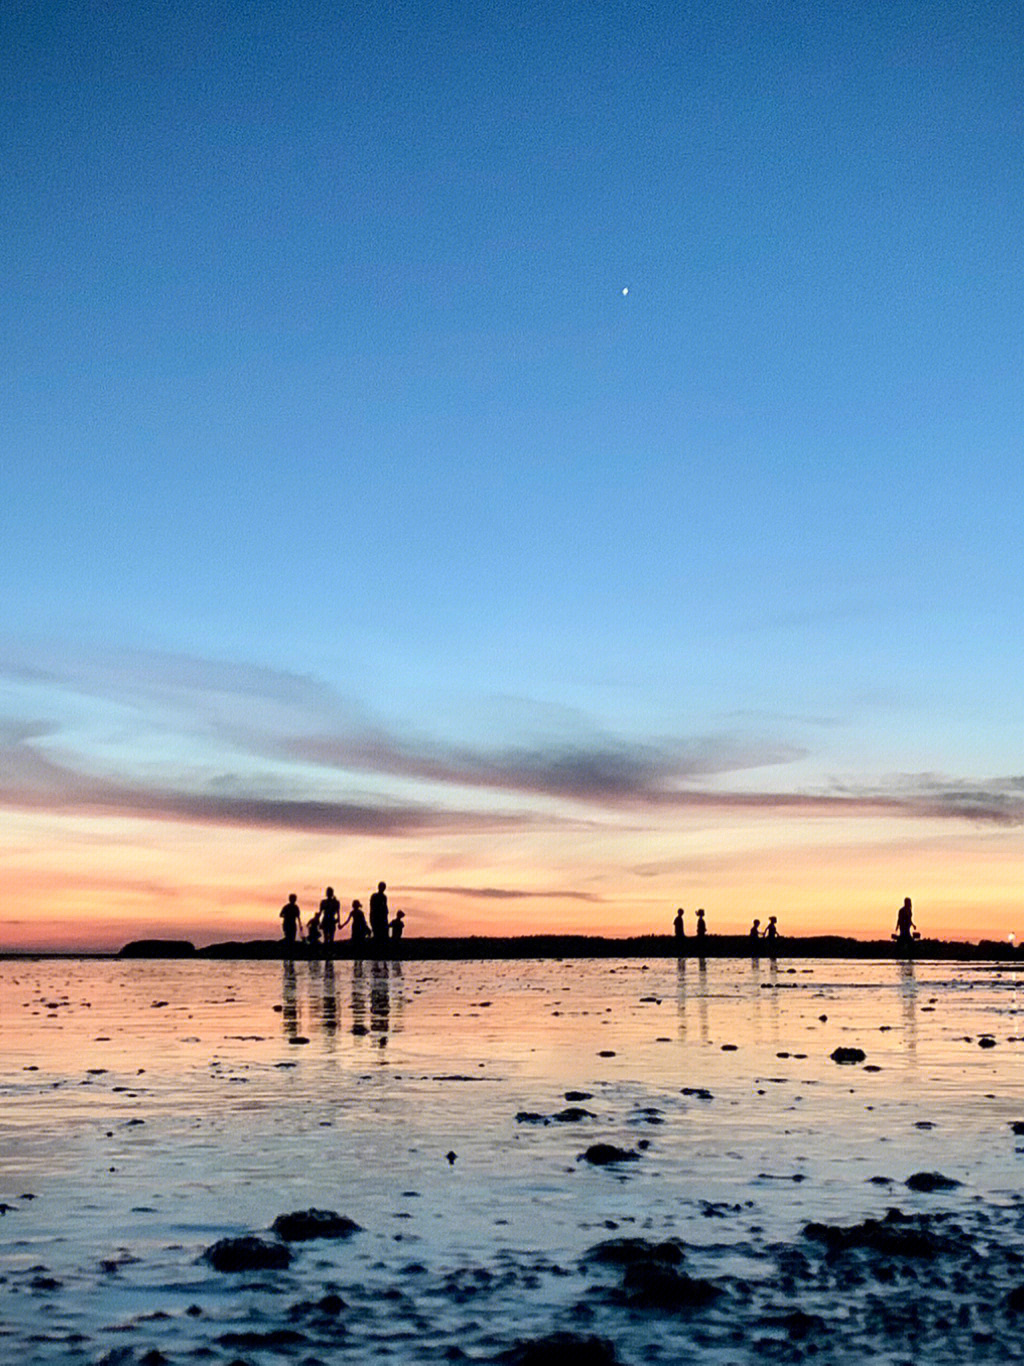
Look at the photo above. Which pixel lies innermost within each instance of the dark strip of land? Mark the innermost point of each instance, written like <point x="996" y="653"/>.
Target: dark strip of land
<point x="588" y="946"/>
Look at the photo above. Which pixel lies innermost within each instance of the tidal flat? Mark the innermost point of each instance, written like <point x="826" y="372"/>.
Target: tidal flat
<point x="527" y="1161"/>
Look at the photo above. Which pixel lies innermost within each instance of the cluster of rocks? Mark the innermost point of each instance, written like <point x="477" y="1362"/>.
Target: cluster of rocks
<point x="255" y="1252"/>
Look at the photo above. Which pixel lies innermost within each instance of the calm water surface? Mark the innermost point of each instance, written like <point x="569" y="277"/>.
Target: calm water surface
<point x="151" y="1108"/>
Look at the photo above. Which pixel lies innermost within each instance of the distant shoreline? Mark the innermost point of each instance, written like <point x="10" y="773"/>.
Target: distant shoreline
<point x="555" y="946"/>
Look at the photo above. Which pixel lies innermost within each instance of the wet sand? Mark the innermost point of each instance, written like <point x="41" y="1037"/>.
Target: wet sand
<point x="595" y="1161"/>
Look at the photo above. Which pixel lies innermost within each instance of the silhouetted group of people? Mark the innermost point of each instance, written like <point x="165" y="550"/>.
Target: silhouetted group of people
<point x="906" y="930"/>
<point x="321" y="928"/>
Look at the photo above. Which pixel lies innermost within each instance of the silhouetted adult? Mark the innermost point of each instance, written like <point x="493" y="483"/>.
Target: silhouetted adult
<point x="330" y="914"/>
<point x="701" y="929"/>
<point x="905" y="923"/>
<point x="379" y="915"/>
<point x="677" y="924"/>
<point x="291" y="918"/>
<point x="398" y="925"/>
<point x="772" y="930"/>
<point x="360" y="929"/>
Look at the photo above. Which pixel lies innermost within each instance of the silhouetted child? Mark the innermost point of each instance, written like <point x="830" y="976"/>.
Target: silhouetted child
<point x="772" y="932"/>
<point x="755" y="930"/>
<point x="291" y="919"/>
<point x="313" y="929"/>
<point x="677" y="924"/>
<point x="398" y="925"/>
<point x="701" y="929"/>
<point x="360" y="929"/>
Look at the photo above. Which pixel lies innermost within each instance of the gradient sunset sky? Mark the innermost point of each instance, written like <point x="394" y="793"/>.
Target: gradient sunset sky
<point x="563" y="460"/>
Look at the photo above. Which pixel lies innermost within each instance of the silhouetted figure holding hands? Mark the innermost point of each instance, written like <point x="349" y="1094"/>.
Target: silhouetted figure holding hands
<point x="677" y="924"/>
<point x="330" y="914"/>
<point x="905" y="924"/>
<point x="379" y="915"/>
<point x="291" y="918"/>
<point x="772" y="931"/>
<point x="755" y="930"/>
<point x="360" y="929"/>
<point x="702" y="929"/>
<point x="398" y="925"/>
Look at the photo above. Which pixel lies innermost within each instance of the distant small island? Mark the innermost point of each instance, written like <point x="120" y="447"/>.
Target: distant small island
<point x="586" y="946"/>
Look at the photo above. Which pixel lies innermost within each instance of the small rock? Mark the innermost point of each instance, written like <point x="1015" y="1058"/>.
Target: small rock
<point x="572" y="1114"/>
<point x="601" y="1154"/>
<point x="848" y="1055"/>
<point x="451" y="1158"/>
<point x="930" y="1181"/>
<point x="626" y="1251"/>
<point x="302" y="1225"/>
<point x="579" y="1095"/>
<point x="247" y="1253"/>
<point x="561" y="1349"/>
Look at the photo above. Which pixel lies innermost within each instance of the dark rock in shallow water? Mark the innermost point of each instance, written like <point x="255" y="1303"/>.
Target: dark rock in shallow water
<point x="1017" y="1126"/>
<point x="897" y="1235"/>
<point x="1015" y="1300"/>
<point x="601" y="1154"/>
<point x="698" y="1092"/>
<point x="579" y="1095"/>
<point x="572" y="1114"/>
<point x="531" y="1117"/>
<point x="248" y="1253"/>
<point x="848" y="1055"/>
<point x="305" y="1224"/>
<point x="624" y="1251"/>
<point x="561" y="1349"/>
<point x="652" y="1285"/>
<point x="930" y="1181"/>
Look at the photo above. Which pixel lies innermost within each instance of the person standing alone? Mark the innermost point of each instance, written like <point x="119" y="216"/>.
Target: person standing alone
<point x="379" y="919"/>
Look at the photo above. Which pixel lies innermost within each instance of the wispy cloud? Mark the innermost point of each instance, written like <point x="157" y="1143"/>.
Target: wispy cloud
<point x="316" y="750"/>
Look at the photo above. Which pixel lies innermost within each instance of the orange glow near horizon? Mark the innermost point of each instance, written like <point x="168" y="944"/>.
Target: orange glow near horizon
<point x="77" y="884"/>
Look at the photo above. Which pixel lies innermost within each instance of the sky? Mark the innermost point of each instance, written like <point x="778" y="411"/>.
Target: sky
<point x="562" y="460"/>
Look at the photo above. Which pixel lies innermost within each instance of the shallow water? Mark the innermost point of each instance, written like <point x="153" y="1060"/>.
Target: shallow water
<point x="152" y="1108"/>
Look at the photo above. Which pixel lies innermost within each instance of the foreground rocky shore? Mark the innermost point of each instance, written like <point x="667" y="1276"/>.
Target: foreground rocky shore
<point x="587" y="946"/>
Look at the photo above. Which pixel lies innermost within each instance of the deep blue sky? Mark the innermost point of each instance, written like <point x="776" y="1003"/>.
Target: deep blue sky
<point x="318" y="362"/>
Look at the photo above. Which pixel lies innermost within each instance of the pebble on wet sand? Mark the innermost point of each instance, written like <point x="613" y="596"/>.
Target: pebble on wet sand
<point x="848" y="1055"/>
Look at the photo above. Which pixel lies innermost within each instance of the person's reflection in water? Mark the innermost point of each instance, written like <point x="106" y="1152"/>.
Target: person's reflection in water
<point x="908" y="1001"/>
<point x="324" y="999"/>
<point x="702" y="999"/>
<point x="289" y="1001"/>
<point x="380" y="1001"/>
<point x="681" y="995"/>
<point x="359" y="997"/>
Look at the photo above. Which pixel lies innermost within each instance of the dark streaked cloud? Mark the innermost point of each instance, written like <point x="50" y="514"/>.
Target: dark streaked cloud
<point x="297" y="725"/>
<point x="32" y="781"/>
